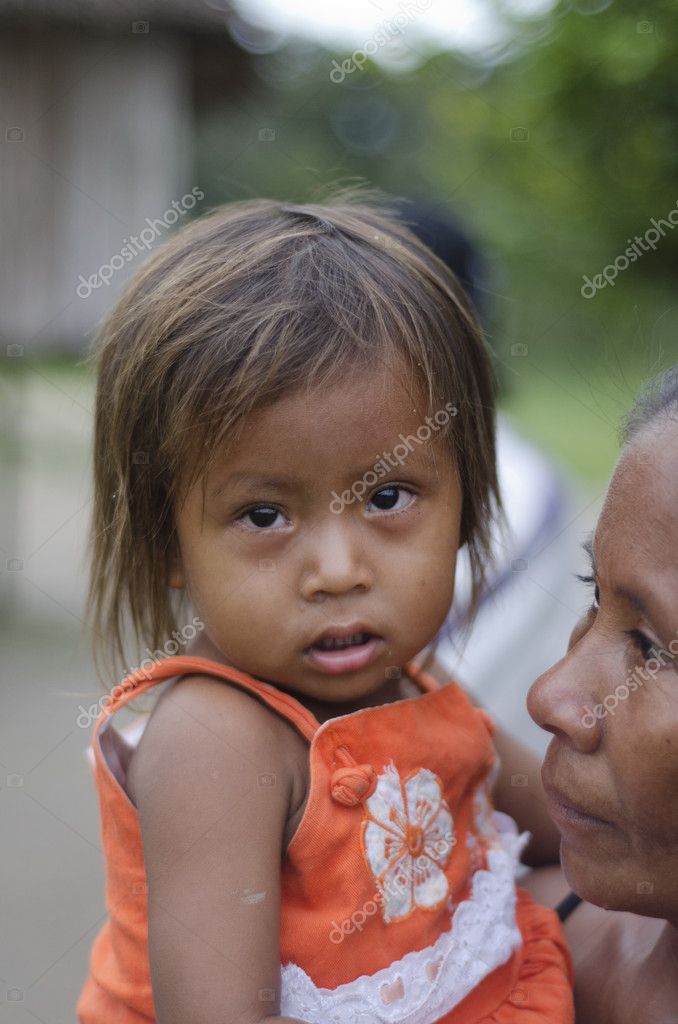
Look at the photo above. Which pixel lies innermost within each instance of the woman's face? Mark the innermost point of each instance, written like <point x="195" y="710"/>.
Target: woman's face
<point x="611" y="769"/>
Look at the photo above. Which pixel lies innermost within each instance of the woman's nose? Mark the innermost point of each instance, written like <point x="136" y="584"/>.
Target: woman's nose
<point x="562" y="700"/>
<point x="336" y="562"/>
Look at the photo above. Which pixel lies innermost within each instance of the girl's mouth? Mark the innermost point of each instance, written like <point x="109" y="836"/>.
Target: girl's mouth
<point x="335" y="655"/>
<point x="335" y="643"/>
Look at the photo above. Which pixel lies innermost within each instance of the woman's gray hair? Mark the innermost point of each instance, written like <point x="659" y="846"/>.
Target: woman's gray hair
<point x="658" y="400"/>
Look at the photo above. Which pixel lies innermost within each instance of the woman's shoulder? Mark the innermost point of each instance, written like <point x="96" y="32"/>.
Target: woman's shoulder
<point x="202" y="720"/>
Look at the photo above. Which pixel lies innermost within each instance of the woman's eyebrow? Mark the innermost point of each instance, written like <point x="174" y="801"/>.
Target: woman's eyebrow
<point x="636" y="600"/>
<point x="642" y="602"/>
<point x="626" y="593"/>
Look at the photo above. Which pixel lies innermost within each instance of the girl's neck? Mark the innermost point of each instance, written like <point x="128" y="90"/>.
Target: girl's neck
<point x="391" y="690"/>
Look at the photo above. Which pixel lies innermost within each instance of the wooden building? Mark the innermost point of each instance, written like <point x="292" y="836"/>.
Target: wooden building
<point x="98" y="101"/>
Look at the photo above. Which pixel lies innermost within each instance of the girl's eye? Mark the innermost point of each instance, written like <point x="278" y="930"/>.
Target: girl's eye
<point x="390" y="498"/>
<point x="259" y="517"/>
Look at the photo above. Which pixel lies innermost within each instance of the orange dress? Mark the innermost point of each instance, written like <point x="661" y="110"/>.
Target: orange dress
<point x="398" y="896"/>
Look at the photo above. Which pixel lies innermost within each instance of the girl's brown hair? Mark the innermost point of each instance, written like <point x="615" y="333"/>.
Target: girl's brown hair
<point x="240" y="307"/>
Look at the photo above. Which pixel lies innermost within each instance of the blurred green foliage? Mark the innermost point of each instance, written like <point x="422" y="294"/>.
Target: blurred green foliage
<point x="553" y="151"/>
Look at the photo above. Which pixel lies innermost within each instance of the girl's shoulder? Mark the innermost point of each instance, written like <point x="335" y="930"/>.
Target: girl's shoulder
<point x="223" y="731"/>
<point x="213" y="779"/>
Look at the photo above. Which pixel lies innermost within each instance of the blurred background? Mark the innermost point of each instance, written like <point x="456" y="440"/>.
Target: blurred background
<point x="533" y="144"/>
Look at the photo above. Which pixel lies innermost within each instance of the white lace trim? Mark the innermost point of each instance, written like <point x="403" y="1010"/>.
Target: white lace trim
<point x="426" y="984"/>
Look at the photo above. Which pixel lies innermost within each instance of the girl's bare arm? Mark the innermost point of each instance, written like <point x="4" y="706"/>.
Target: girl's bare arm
<point x="212" y="784"/>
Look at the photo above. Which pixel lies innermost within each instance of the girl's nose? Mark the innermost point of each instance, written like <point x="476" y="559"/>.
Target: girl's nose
<point x="336" y="562"/>
<point x="563" y="700"/>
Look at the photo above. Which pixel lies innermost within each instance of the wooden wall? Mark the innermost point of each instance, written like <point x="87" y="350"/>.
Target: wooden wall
<point x="96" y="136"/>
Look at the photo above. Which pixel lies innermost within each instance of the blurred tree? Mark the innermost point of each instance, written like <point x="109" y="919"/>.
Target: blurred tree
<point x="556" y="149"/>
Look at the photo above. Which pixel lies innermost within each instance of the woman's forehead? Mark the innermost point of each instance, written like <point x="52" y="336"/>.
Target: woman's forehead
<point x="639" y="519"/>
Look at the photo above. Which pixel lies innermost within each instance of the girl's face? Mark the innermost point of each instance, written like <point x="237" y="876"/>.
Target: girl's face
<point x="288" y="553"/>
<point x="611" y="770"/>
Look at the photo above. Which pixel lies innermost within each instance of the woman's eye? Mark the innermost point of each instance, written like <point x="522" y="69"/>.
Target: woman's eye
<point x="260" y="517"/>
<point x="590" y="581"/>
<point x="391" y="499"/>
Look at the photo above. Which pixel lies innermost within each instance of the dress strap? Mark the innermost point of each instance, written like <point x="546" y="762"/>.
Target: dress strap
<point x="143" y="679"/>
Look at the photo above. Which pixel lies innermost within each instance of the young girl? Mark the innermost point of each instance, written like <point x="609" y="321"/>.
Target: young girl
<point x="294" y="435"/>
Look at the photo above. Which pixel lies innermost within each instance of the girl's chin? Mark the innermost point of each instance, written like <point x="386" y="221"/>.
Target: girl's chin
<point x="336" y="692"/>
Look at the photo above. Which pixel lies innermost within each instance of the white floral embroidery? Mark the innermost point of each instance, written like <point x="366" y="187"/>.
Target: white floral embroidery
<point x="408" y="839"/>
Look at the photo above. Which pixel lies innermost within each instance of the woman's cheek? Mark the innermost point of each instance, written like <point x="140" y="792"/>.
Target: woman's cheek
<point x="646" y="755"/>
